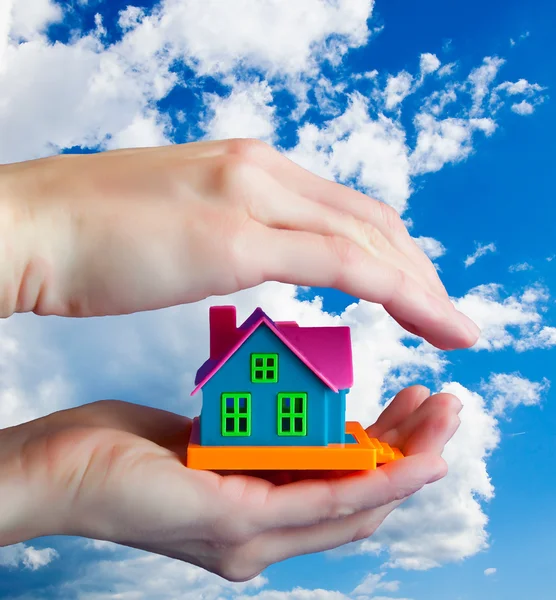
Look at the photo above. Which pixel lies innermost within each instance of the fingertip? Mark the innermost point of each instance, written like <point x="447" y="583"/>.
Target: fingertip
<point x="472" y="327"/>
<point x="440" y="468"/>
<point x="445" y="401"/>
<point x="421" y="391"/>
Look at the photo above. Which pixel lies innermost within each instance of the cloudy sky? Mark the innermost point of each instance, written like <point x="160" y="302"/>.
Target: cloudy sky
<point x="442" y="110"/>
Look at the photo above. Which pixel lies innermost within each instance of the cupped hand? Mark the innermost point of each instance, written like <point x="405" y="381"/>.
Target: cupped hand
<point x="114" y="471"/>
<point x="139" y="229"/>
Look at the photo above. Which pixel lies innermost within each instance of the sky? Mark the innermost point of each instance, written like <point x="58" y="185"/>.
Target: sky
<point x="442" y="110"/>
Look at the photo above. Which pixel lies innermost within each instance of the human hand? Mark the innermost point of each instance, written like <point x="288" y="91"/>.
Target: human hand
<point x="114" y="471"/>
<point x="141" y="229"/>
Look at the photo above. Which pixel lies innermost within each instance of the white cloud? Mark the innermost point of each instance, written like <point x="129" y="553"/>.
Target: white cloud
<point x="490" y="571"/>
<point x="355" y="145"/>
<point x="29" y="557"/>
<point x="103" y="96"/>
<point x="480" y="250"/>
<point x="524" y="266"/>
<point x="297" y="594"/>
<point x="373" y="582"/>
<point x="532" y="91"/>
<point x="523" y="36"/>
<point x="510" y="322"/>
<point x="31" y="17"/>
<point x="523" y="108"/>
<point x="385" y="598"/>
<point x="32" y="379"/>
<point x="143" y="131"/>
<point x="445" y="522"/>
<point x="444" y="141"/>
<point x="327" y="95"/>
<point x="431" y="247"/>
<point x="429" y="63"/>
<point x="80" y="95"/>
<point x="480" y="80"/>
<point x="6" y="12"/>
<point x="142" y="576"/>
<point x="521" y="86"/>
<point x="440" y="99"/>
<point x="130" y="17"/>
<point x="535" y="294"/>
<point x="202" y="35"/>
<point x="367" y="75"/>
<point x="149" y="577"/>
<point x="509" y="390"/>
<point x="397" y="88"/>
<point x="246" y="112"/>
<point x="102" y="545"/>
<point x="447" y="69"/>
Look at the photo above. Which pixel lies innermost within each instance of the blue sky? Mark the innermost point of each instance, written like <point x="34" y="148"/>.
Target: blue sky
<point x="472" y="182"/>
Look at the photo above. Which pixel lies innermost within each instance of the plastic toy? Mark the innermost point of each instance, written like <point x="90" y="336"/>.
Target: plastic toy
<point x="274" y="397"/>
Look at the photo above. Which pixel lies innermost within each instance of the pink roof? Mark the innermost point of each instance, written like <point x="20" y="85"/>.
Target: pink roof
<point x="325" y="350"/>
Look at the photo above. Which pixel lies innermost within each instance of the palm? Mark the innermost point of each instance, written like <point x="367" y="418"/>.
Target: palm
<point x="131" y="486"/>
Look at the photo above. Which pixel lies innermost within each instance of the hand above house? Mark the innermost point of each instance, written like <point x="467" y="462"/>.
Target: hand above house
<point x="139" y="229"/>
<point x="114" y="471"/>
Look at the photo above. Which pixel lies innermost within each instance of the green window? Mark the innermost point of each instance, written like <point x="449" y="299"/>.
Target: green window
<point x="236" y="414"/>
<point x="292" y="413"/>
<point x="264" y="368"/>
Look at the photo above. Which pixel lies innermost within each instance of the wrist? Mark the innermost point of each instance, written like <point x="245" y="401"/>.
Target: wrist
<point x="14" y="242"/>
<point x="25" y="498"/>
<point x="36" y="239"/>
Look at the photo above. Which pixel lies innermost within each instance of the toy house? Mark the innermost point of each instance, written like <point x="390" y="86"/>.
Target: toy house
<point x="274" y="397"/>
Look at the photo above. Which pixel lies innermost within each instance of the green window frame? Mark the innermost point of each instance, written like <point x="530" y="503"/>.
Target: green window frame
<point x="236" y="414"/>
<point x="264" y="368"/>
<point x="292" y="414"/>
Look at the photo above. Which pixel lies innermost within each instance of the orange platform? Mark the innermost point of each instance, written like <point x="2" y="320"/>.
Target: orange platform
<point x="363" y="455"/>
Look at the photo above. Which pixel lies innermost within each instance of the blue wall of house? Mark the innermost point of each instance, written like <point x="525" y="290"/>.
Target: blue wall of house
<point x="325" y="408"/>
<point x="336" y="415"/>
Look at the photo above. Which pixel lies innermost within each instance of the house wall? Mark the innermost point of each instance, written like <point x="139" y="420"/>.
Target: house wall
<point x="325" y="408"/>
<point x="336" y="415"/>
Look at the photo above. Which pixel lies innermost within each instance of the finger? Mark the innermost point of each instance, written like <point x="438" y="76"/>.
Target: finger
<point x="279" y="208"/>
<point x="307" y="503"/>
<point x="401" y="407"/>
<point x="338" y="196"/>
<point x="434" y="433"/>
<point x="435" y="340"/>
<point x="303" y="258"/>
<point x="161" y="427"/>
<point x="280" y="544"/>
<point x="429" y="428"/>
<point x="326" y="193"/>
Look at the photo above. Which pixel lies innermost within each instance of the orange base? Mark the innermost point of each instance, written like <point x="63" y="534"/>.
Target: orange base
<point x="363" y="455"/>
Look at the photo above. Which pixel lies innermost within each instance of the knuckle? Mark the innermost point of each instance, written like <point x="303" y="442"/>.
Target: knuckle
<point x="232" y="178"/>
<point x="378" y="241"/>
<point x="365" y="531"/>
<point x="238" y="568"/>
<point x="248" y="148"/>
<point x="347" y="251"/>
<point x="391" y="217"/>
